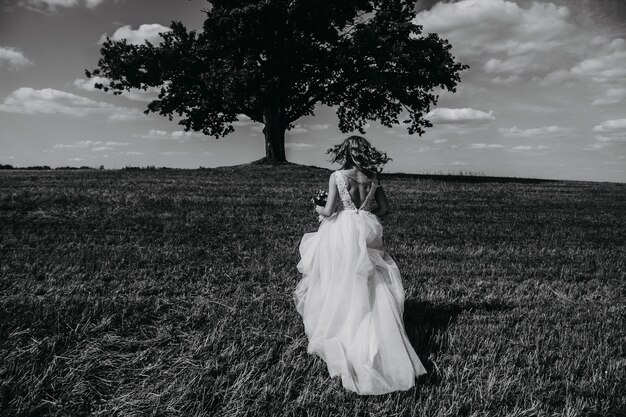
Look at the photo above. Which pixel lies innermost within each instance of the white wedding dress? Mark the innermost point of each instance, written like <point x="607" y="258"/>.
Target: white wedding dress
<point x="351" y="300"/>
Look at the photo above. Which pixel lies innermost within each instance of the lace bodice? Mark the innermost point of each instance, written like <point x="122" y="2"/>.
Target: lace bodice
<point x="346" y="202"/>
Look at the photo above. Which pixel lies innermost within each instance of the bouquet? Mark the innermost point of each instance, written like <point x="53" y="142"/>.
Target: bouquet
<point x="320" y="197"/>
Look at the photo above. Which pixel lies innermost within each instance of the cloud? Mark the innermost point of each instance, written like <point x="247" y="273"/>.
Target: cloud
<point x="299" y="129"/>
<point x="538" y="41"/>
<point x="243" y="120"/>
<point x="611" y="126"/>
<point x="515" y="65"/>
<point x="144" y="96"/>
<point x="318" y="126"/>
<point x="459" y="116"/>
<point x="486" y="146"/>
<point x="145" y="32"/>
<point x="179" y="136"/>
<point x="15" y="58"/>
<point x="505" y="80"/>
<point x="120" y="116"/>
<point x="96" y="145"/>
<point x="539" y="132"/>
<point x="174" y="153"/>
<point x="610" y="96"/>
<point x="78" y="144"/>
<point x="26" y="100"/>
<point x="423" y="149"/>
<point x="487" y="27"/>
<point x="299" y="146"/>
<point x="618" y="138"/>
<point x="600" y="60"/>
<point x="52" y="5"/>
<point x="594" y="147"/>
<point x="521" y="148"/>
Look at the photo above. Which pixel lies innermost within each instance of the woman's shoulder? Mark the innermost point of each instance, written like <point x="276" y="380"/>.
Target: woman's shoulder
<point x="358" y="174"/>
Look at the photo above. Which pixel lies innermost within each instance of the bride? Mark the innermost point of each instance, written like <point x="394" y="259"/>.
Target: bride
<point x="350" y="296"/>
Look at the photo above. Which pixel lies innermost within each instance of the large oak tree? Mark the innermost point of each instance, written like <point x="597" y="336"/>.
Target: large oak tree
<point x="275" y="60"/>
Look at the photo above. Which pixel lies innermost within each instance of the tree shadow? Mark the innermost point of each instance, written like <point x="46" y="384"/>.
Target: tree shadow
<point x="426" y="325"/>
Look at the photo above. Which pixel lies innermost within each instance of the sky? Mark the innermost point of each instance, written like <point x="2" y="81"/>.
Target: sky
<point x="545" y="95"/>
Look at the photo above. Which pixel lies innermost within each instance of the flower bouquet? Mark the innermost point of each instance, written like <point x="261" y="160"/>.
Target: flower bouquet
<point x="319" y="199"/>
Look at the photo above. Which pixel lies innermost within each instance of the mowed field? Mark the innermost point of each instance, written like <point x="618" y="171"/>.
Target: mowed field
<point x="169" y="293"/>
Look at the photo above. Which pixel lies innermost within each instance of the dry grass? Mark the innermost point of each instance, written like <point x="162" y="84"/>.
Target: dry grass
<point x="167" y="292"/>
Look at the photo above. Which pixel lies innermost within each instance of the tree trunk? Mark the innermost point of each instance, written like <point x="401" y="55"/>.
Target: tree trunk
<point x="274" y="132"/>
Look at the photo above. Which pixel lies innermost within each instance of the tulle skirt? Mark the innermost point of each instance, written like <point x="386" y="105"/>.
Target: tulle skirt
<point x="351" y="300"/>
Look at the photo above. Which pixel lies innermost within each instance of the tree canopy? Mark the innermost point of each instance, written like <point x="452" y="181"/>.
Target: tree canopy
<point x="275" y="60"/>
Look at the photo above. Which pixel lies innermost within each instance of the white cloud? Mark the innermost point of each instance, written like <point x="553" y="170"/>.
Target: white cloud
<point x="126" y="117"/>
<point x="95" y="145"/>
<point x="594" y="147"/>
<point x="78" y="144"/>
<point x="15" y="58"/>
<point x="505" y="80"/>
<point x="457" y="163"/>
<point x="423" y="149"/>
<point x="26" y="100"/>
<point x="604" y="63"/>
<point x="158" y="133"/>
<point x="243" y="120"/>
<point x="617" y="125"/>
<point x="618" y="138"/>
<point x="298" y="129"/>
<point x="318" y="126"/>
<point x="460" y="116"/>
<point x="441" y="140"/>
<point x="174" y="153"/>
<point x="179" y="136"/>
<point x="539" y="132"/>
<point x="485" y="146"/>
<point x="52" y="5"/>
<point x="148" y="95"/>
<point x="486" y="27"/>
<point x="602" y="68"/>
<point x="521" y="148"/>
<point x="145" y="32"/>
<point x="539" y="41"/>
<point x="610" y="96"/>
<point x="299" y="146"/>
<point x="515" y="65"/>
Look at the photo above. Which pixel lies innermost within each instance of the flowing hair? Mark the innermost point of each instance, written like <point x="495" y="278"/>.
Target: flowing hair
<point x="357" y="151"/>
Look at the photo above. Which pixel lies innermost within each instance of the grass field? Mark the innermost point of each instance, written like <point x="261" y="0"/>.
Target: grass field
<point x="168" y="292"/>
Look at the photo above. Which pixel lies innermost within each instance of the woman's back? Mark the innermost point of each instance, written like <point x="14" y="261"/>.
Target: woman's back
<point x="358" y="185"/>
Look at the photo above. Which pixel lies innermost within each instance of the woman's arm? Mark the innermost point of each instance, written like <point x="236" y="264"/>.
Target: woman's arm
<point x="381" y="200"/>
<point x="329" y="208"/>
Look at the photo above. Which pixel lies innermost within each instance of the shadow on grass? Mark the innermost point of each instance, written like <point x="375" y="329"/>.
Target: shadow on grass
<point x="427" y="323"/>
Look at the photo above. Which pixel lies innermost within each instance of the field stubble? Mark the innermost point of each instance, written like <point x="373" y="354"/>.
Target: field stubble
<point x="168" y="292"/>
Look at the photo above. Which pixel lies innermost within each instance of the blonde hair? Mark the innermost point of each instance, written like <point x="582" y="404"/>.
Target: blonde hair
<point x="357" y="151"/>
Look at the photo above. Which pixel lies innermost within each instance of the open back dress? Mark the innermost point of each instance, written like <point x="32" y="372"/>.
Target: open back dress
<point x="351" y="300"/>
